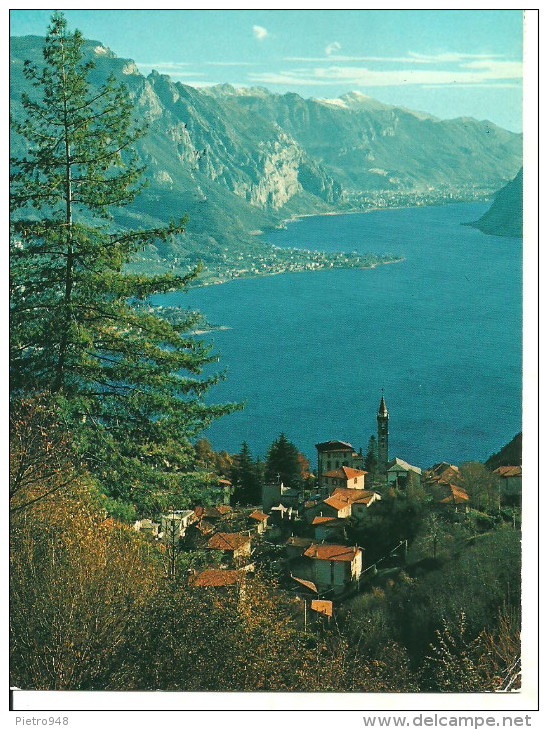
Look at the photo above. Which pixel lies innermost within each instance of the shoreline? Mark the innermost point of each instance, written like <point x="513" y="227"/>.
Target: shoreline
<point x="298" y="271"/>
<point x="298" y="216"/>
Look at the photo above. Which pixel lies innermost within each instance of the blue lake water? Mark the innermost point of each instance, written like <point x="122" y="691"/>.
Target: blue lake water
<point x="440" y="332"/>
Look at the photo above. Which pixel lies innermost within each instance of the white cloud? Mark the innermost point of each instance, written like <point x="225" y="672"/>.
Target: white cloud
<point x="411" y="58"/>
<point x="229" y="63"/>
<point x="487" y="71"/>
<point x="332" y="47"/>
<point x="449" y="57"/>
<point x="259" y="32"/>
<point x="353" y="59"/>
<point x="164" y="66"/>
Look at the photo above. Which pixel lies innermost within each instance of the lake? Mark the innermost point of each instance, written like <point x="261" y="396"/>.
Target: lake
<point x="440" y="332"/>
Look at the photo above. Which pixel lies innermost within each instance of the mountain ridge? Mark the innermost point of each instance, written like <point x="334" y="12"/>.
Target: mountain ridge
<point x="238" y="161"/>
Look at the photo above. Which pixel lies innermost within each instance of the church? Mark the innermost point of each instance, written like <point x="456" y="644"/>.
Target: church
<point x="340" y="466"/>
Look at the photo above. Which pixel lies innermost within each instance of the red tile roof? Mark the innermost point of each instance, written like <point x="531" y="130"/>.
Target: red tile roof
<point x="337" y="502"/>
<point x="353" y="494"/>
<point x="215" y="577"/>
<point x="457" y="495"/>
<point x="324" y="607"/>
<point x="307" y="583"/>
<point x="258" y="515"/>
<point x="223" y="509"/>
<point x="214" y="513"/>
<point x="341" y="498"/>
<point x="321" y="520"/>
<point x="332" y="552"/>
<point x="345" y="472"/>
<point x="442" y="473"/>
<point x="228" y="541"/>
<point x="508" y="471"/>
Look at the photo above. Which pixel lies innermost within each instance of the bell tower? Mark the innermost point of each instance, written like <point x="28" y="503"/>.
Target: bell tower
<point x="382" y="437"/>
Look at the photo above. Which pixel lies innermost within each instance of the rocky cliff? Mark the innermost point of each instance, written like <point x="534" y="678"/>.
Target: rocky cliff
<point x="239" y="160"/>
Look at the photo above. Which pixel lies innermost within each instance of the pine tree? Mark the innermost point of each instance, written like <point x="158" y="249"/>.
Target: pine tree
<point x="128" y="381"/>
<point x="371" y="458"/>
<point x="245" y="477"/>
<point x="283" y="463"/>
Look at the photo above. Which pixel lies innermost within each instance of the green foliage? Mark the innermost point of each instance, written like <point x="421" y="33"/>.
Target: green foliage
<point x="481" y="577"/>
<point x="120" y="510"/>
<point x="246" y="477"/>
<point x="452" y="665"/>
<point x="480" y="484"/>
<point x="217" y="461"/>
<point x="283" y="463"/>
<point x="389" y="521"/>
<point x="128" y="383"/>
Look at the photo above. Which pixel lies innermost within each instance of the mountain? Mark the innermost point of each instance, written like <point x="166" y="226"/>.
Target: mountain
<point x="241" y="160"/>
<point x="367" y="145"/>
<point x="505" y="216"/>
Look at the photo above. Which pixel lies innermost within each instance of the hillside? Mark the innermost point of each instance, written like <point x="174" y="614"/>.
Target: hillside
<point x="505" y="216"/>
<point x="240" y="161"/>
<point x="509" y="455"/>
<point x="368" y="145"/>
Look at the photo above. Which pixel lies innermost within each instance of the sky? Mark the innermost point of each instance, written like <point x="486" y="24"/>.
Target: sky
<point x="448" y="63"/>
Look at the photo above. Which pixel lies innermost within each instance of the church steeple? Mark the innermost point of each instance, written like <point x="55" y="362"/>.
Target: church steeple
<point x="382" y="437"/>
<point x="382" y="408"/>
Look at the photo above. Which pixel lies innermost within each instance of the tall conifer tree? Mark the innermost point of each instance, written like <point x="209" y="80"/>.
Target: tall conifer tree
<point x="129" y="381"/>
<point x="282" y="462"/>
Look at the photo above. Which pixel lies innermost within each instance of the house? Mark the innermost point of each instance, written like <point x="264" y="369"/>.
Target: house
<point x="362" y="502"/>
<point x="323" y="608"/>
<point x="225" y="490"/>
<point x="295" y="546"/>
<point x="333" y="455"/>
<point x="442" y="473"/>
<point x="328" y="528"/>
<point x="214" y="514"/>
<point x="280" y="513"/>
<point x="401" y="474"/>
<point x="147" y="527"/>
<point x="290" y="497"/>
<point x="338" y="505"/>
<point x="304" y="587"/>
<point x="270" y="496"/>
<point x="175" y="523"/>
<point x="455" y="497"/>
<point x="236" y="545"/>
<point x="335" y="566"/>
<point x="203" y="527"/>
<point x="345" y="477"/>
<point x="259" y="520"/>
<point x="217" y="578"/>
<point x="343" y="503"/>
<point x="509" y="480"/>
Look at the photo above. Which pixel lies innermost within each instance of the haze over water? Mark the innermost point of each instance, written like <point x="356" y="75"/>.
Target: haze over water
<point x="440" y="332"/>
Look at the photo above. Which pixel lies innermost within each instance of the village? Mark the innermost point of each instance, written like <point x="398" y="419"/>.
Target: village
<point x="315" y="541"/>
